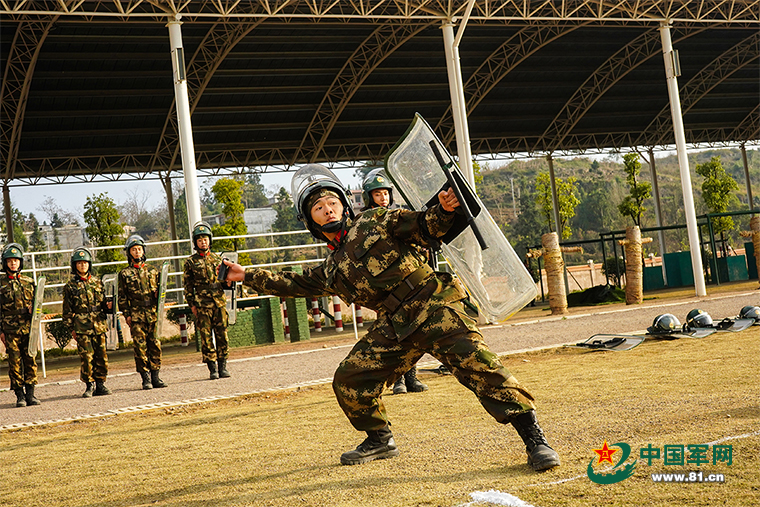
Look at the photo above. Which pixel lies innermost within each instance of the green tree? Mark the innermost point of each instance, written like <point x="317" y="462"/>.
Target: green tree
<point x="227" y="194"/>
<point x="36" y="244"/>
<point x="102" y="218"/>
<point x="716" y="192"/>
<point x="566" y="197"/>
<point x="526" y="230"/>
<point x="287" y="221"/>
<point x="254" y="193"/>
<point x="633" y="204"/>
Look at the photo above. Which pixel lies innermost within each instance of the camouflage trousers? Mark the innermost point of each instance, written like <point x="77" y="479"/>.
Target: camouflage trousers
<point x="22" y="367"/>
<point x="450" y="336"/>
<point x="146" y="345"/>
<point x="208" y="320"/>
<point x="92" y="353"/>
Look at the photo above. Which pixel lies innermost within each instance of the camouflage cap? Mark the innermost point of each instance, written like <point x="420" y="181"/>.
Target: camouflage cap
<point x="322" y="192"/>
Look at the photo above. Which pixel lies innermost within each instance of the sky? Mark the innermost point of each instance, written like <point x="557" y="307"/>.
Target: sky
<point x="72" y="196"/>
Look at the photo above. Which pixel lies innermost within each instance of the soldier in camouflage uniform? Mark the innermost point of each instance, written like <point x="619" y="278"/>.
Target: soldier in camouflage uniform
<point x="377" y="192"/>
<point x="375" y="260"/>
<point x="138" y="297"/>
<point x="84" y="313"/>
<point x="16" y="300"/>
<point x="205" y="296"/>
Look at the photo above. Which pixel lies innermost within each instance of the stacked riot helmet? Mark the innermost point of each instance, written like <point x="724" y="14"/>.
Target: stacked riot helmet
<point x="750" y="312"/>
<point x="698" y="318"/>
<point x="81" y="254"/>
<point x="202" y="229"/>
<point x="666" y="323"/>
<point x="311" y="182"/>
<point x="134" y="240"/>
<point x="13" y="251"/>
<point x="375" y="180"/>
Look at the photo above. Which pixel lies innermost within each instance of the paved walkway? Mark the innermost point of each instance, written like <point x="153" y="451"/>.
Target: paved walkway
<point x="257" y="369"/>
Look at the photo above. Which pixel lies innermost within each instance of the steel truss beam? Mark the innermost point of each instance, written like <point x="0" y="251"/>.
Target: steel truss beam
<point x="717" y="71"/>
<point x="633" y="54"/>
<point x="700" y="11"/>
<point x="381" y="43"/>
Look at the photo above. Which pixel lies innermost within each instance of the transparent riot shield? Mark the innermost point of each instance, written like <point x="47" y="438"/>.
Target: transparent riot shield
<point x="110" y="284"/>
<point x="230" y="295"/>
<point x="163" y="279"/>
<point x="495" y="277"/>
<point x="34" y="335"/>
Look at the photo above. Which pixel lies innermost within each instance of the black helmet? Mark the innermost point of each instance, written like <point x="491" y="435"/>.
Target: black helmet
<point x="81" y="254"/>
<point x="202" y="229"/>
<point x="664" y="324"/>
<point x="698" y="318"/>
<point x="375" y="180"/>
<point x="314" y="179"/>
<point x="134" y="239"/>
<point x="13" y="251"/>
<point x="750" y="312"/>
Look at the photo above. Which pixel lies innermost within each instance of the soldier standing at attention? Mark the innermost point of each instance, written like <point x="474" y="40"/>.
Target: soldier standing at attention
<point x="375" y="260"/>
<point x="16" y="299"/>
<point x="205" y="296"/>
<point x="138" y="297"/>
<point x="377" y="192"/>
<point x="84" y="313"/>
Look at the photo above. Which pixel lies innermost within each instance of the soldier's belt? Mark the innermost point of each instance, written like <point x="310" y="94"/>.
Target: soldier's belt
<point x="407" y="286"/>
<point x="209" y="286"/>
<point x="143" y="303"/>
<point x="25" y="311"/>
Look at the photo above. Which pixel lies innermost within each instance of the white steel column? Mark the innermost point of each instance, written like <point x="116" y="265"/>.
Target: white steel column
<point x="683" y="160"/>
<point x="747" y="181"/>
<point x="458" y="108"/>
<point x="192" y="194"/>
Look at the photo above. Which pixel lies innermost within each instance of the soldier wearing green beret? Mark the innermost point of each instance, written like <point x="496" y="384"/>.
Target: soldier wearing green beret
<point x="16" y="299"/>
<point x="205" y="296"/>
<point x="138" y="297"/>
<point x="84" y="313"/>
<point x="375" y="260"/>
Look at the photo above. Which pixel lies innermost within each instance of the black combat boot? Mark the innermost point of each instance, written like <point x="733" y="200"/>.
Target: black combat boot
<point x="212" y="373"/>
<point x="155" y="380"/>
<point x="90" y="389"/>
<point x="400" y="386"/>
<point x="540" y="455"/>
<point x="101" y="389"/>
<point x="413" y="385"/>
<point x="20" y="396"/>
<point x="223" y="373"/>
<point x="146" y="380"/>
<point x="31" y="399"/>
<point x="379" y="444"/>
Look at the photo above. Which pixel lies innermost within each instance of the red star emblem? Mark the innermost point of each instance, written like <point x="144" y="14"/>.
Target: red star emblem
<point x="605" y="454"/>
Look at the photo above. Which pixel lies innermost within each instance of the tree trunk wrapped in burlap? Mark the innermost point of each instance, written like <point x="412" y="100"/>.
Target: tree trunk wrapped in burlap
<point x="634" y="279"/>
<point x="555" y="268"/>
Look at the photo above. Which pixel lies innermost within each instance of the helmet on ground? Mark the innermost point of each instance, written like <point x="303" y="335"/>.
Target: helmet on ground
<point x="81" y="254"/>
<point x="698" y="318"/>
<point x="134" y="240"/>
<point x="202" y="229"/>
<point x="311" y="182"/>
<point x="664" y="324"/>
<point x="750" y="312"/>
<point x="13" y="251"/>
<point x="376" y="179"/>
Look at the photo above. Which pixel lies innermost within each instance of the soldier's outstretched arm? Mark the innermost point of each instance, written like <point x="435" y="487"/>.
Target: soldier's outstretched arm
<point x="312" y="283"/>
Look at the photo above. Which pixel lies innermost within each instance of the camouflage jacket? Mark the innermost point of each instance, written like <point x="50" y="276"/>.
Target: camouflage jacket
<point x="202" y="288"/>
<point x="84" y="307"/>
<point x="16" y="299"/>
<point x="138" y="289"/>
<point x="379" y="250"/>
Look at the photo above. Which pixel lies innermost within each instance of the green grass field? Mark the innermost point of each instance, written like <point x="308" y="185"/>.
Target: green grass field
<point x="283" y="449"/>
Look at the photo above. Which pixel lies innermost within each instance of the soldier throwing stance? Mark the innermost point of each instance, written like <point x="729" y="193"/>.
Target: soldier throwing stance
<point x="138" y="296"/>
<point x="84" y="312"/>
<point x="205" y="296"/>
<point x="375" y="261"/>
<point x="16" y="299"/>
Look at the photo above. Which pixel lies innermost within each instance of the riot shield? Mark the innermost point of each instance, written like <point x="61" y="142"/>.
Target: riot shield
<point x="616" y="342"/>
<point x="496" y="278"/>
<point x="160" y="305"/>
<point x="230" y="295"/>
<point x="35" y="337"/>
<point x="111" y="286"/>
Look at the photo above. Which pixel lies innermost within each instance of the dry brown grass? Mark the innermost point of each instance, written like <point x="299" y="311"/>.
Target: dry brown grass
<point x="282" y="449"/>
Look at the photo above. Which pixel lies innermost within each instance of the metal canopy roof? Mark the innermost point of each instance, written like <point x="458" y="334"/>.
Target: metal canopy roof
<point x="87" y="87"/>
